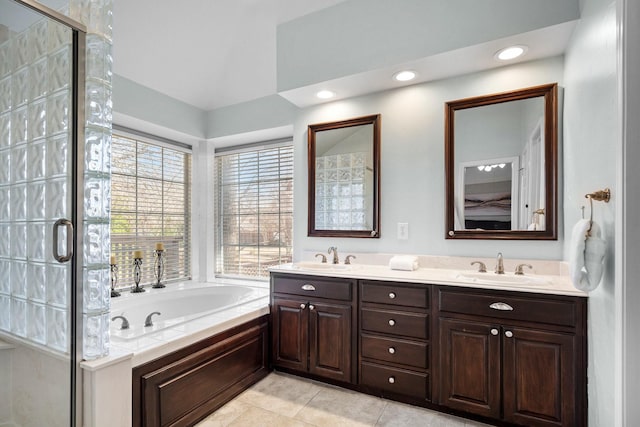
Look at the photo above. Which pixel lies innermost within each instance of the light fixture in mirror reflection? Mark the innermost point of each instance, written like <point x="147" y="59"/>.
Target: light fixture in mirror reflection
<point x="501" y="161"/>
<point x="343" y="178"/>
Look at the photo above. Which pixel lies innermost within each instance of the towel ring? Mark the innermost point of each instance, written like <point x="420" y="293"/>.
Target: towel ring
<point x="599" y="196"/>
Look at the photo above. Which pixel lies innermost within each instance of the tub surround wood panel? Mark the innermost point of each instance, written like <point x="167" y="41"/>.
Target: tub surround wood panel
<point x="444" y="347"/>
<point x="183" y="387"/>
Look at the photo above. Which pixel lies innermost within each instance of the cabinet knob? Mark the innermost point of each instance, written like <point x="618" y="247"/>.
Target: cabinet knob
<point x="494" y="331"/>
<point x="392" y="322"/>
<point x="392" y="295"/>
<point x="392" y="350"/>
<point x="308" y="287"/>
<point x="311" y="306"/>
<point x="508" y="334"/>
<point x="392" y="380"/>
<point x="303" y="306"/>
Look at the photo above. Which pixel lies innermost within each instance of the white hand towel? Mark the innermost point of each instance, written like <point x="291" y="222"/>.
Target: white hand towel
<point x="403" y="262"/>
<point x="586" y="256"/>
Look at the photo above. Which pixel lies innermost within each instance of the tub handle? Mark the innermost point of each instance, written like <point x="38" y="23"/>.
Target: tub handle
<point x="148" y="322"/>
<point x="308" y="287"/>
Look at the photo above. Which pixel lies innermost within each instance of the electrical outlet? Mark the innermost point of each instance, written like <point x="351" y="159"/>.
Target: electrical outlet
<point x="403" y="231"/>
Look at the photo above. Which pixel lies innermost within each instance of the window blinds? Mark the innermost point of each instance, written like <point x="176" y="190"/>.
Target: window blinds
<point x="150" y="203"/>
<point x="254" y="212"/>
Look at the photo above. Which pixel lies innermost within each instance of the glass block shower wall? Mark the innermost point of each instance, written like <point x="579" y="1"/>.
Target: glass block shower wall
<point x="35" y="137"/>
<point x="97" y="15"/>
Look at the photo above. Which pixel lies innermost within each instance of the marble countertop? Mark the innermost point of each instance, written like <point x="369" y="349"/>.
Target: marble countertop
<point x="534" y="283"/>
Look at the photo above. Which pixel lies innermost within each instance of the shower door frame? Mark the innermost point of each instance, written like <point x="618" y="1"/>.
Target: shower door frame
<point x="79" y="34"/>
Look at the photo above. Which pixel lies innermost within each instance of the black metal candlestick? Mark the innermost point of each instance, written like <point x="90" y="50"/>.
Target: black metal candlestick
<point x="159" y="268"/>
<point x="137" y="262"/>
<point x="114" y="280"/>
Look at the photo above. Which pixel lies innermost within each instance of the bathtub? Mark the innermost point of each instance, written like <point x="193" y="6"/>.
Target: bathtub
<point x="195" y="318"/>
<point x="177" y="304"/>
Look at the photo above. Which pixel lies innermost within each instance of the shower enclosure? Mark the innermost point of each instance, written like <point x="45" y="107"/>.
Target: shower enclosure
<point x="54" y="140"/>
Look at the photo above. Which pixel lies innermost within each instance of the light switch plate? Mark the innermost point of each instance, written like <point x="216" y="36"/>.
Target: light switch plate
<point x="403" y="231"/>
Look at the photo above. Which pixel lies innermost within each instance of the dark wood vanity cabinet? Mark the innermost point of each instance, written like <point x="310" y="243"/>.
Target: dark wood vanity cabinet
<point x="512" y="356"/>
<point x="394" y="338"/>
<point x="314" y="325"/>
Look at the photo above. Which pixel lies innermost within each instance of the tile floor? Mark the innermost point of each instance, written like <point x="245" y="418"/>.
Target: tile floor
<point x="282" y="400"/>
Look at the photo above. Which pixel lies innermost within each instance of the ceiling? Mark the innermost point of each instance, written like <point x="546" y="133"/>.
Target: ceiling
<point x="207" y="53"/>
<point x="216" y="53"/>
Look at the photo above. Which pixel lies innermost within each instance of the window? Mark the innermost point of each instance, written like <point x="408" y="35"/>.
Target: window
<point x="150" y="203"/>
<point x="254" y="210"/>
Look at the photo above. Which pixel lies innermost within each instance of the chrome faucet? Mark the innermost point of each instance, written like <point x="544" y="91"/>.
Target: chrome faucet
<point x="148" y="322"/>
<point x="334" y="249"/>
<point x="499" y="264"/>
<point x="125" y="322"/>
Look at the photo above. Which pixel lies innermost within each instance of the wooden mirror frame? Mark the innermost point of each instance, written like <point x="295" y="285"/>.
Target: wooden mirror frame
<point x="311" y="165"/>
<point x="550" y="94"/>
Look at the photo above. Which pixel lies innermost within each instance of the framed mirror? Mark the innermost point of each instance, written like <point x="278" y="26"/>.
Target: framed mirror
<point x="344" y="178"/>
<point x="501" y="165"/>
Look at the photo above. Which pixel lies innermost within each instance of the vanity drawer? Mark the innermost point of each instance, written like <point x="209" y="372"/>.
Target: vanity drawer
<point x="314" y="287"/>
<point x="395" y="322"/>
<point x="395" y="294"/>
<point x="400" y="381"/>
<point x="411" y="353"/>
<point x="535" y="309"/>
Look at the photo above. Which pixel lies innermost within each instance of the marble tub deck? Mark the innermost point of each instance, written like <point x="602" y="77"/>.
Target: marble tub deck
<point x="287" y="401"/>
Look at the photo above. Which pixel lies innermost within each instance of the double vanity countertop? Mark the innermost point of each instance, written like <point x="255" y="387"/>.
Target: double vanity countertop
<point x="534" y="283"/>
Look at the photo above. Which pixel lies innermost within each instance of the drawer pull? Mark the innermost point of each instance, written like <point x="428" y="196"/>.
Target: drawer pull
<point x="392" y="380"/>
<point x="308" y="287"/>
<point x="508" y="334"/>
<point x="392" y="295"/>
<point x="502" y="306"/>
<point x="392" y="350"/>
<point x="494" y="331"/>
<point x="392" y="322"/>
<point x="303" y="306"/>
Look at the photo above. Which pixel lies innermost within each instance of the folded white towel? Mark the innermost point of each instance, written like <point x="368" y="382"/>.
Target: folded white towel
<point x="586" y="256"/>
<point x="403" y="262"/>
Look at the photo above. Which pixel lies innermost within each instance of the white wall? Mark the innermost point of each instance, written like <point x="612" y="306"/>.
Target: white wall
<point x="412" y="164"/>
<point x="591" y="141"/>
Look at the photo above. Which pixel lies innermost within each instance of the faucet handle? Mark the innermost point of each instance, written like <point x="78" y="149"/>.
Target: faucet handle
<point x="519" y="271"/>
<point x="324" y="258"/>
<point x="348" y="258"/>
<point x="482" y="268"/>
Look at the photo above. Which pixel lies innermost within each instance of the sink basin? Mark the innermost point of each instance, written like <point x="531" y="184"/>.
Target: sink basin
<point x="504" y="279"/>
<point x="310" y="265"/>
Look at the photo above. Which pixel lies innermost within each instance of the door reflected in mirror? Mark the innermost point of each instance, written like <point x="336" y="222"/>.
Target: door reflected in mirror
<point x="343" y="178"/>
<point x="501" y="165"/>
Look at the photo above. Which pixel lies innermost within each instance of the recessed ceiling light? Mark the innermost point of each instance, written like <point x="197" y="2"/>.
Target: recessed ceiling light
<point x="325" y="94"/>
<point x="511" y="52"/>
<point x="404" y="76"/>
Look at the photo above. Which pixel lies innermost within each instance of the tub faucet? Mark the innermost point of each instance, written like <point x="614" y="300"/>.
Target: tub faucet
<point x="499" y="264"/>
<point x="148" y="322"/>
<point x="125" y="322"/>
<point x="334" y="249"/>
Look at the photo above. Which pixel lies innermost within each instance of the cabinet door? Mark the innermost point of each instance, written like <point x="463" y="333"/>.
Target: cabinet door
<point x="470" y="366"/>
<point x="539" y="378"/>
<point x="290" y="333"/>
<point x="330" y="341"/>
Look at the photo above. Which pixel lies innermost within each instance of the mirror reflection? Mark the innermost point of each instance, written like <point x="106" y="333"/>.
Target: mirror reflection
<point x="501" y="165"/>
<point x="343" y="195"/>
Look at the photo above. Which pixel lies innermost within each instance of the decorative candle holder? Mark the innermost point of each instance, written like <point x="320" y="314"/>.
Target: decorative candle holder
<point x="114" y="280"/>
<point x="158" y="270"/>
<point x="137" y="262"/>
